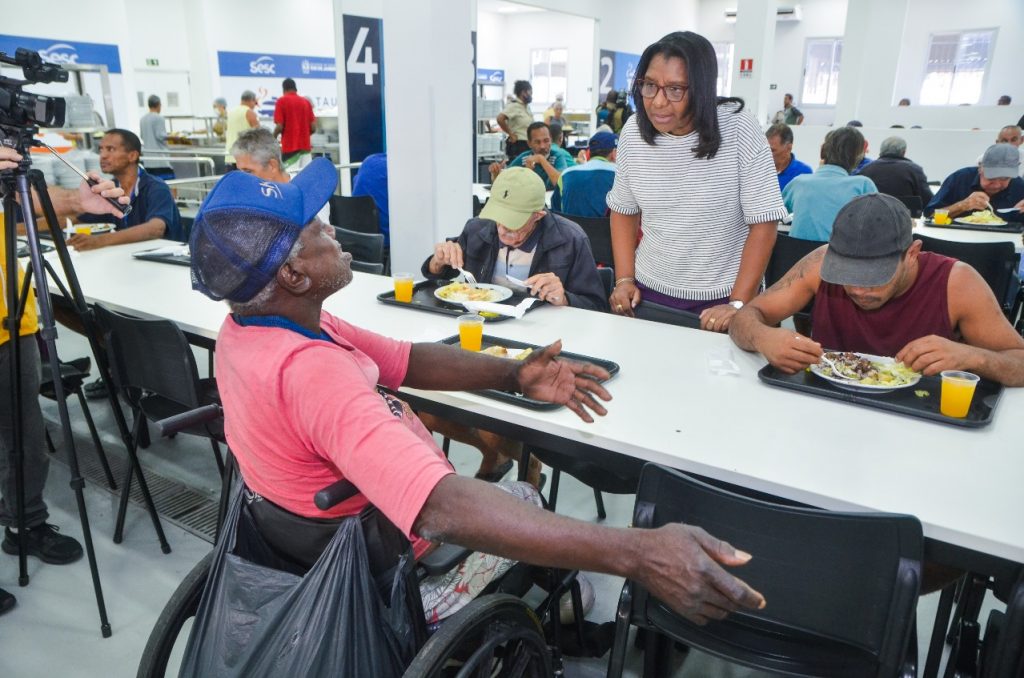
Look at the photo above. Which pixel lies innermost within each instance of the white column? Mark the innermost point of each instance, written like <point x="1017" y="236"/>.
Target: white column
<point x="755" y="39"/>
<point x="428" y="115"/>
<point x="872" y="43"/>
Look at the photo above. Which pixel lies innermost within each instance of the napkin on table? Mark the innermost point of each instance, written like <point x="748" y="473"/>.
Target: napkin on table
<point x="516" y="311"/>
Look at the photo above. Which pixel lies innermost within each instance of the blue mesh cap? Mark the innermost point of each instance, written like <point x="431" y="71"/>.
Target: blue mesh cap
<point x="247" y="226"/>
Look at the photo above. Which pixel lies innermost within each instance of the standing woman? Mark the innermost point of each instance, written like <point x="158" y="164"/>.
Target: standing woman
<point x="697" y="176"/>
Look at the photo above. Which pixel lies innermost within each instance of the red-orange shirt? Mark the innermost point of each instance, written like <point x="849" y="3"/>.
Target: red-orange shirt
<point x="295" y="114"/>
<point x="302" y="413"/>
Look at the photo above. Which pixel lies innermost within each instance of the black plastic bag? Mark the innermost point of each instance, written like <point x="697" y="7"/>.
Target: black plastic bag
<point x="337" y="619"/>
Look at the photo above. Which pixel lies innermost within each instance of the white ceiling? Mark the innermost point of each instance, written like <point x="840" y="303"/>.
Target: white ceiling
<point x="503" y="7"/>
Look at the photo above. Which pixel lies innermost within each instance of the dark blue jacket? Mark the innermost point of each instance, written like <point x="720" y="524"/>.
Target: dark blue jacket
<point x="563" y="249"/>
<point x="151" y="198"/>
<point x="585" y="188"/>
<point x="963" y="182"/>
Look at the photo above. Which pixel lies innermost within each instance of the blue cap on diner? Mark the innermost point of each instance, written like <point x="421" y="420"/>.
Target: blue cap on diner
<point x="604" y="141"/>
<point x="247" y="226"/>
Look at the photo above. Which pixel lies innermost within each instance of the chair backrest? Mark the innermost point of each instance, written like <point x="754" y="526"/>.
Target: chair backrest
<point x="659" y="313"/>
<point x="478" y="206"/>
<point x="995" y="261"/>
<point x="366" y="267"/>
<point x="149" y="355"/>
<point x="841" y="588"/>
<point x="785" y="254"/>
<point x="356" y="213"/>
<point x="599" y="232"/>
<point x="607" y="277"/>
<point x="912" y="203"/>
<point x="365" y="247"/>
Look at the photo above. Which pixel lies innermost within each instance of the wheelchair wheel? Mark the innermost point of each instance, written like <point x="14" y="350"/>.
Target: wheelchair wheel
<point x="495" y="635"/>
<point x="182" y="606"/>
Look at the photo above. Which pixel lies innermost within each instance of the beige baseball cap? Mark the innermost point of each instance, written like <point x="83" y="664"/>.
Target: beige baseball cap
<point x="515" y="195"/>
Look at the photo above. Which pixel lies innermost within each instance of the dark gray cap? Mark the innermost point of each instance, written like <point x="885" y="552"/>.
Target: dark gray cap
<point x="869" y="236"/>
<point x="1001" y="161"/>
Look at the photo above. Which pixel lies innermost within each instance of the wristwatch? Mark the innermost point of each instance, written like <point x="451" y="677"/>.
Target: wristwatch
<point x="736" y="303"/>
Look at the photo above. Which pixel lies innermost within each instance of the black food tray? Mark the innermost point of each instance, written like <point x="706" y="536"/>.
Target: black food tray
<point x="176" y="259"/>
<point x="902" y="401"/>
<point x="1011" y="227"/>
<point x="521" y="400"/>
<point x="423" y="299"/>
<point x="24" y="252"/>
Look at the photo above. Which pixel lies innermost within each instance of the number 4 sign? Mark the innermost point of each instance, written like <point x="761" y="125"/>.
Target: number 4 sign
<point x="364" y="79"/>
<point x="367" y="67"/>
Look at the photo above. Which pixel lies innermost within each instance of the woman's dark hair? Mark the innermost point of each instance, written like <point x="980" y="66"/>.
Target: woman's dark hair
<point x="702" y="69"/>
<point x="520" y="87"/>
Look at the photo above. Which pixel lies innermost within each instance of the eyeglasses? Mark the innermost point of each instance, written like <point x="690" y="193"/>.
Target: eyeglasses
<point x="674" y="93"/>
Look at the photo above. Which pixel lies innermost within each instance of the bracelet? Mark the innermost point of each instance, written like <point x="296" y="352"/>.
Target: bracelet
<point x="622" y="280"/>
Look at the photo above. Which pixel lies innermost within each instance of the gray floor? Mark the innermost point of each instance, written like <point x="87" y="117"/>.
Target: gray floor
<point x="54" y="630"/>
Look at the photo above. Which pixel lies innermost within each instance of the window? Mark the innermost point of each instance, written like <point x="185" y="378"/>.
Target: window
<point x="548" y="74"/>
<point x="957" y="63"/>
<point x="821" y="71"/>
<point x="723" y="52"/>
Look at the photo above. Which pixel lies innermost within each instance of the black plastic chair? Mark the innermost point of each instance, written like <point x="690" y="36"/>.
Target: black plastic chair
<point x="154" y="370"/>
<point x="607" y="277"/>
<point x="478" y="206"/>
<point x="1003" y="650"/>
<point x="599" y="232"/>
<point x="841" y="588"/>
<point x="786" y="253"/>
<point x="365" y="248"/>
<point x="659" y="313"/>
<point x="912" y="203"/>
<point x="73" y="375"/>
<point x="997" y="263"/>
<point x="356" y="213"/>
<point x="600" y="470"/>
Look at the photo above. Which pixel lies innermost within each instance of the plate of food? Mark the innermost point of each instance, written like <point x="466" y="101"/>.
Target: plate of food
<point x="864" y="372"/>
<point x="458" y="292"/>
<point x="512" y="353"/>
<point x="981" y="218"/>
<point x="92" y="229"/>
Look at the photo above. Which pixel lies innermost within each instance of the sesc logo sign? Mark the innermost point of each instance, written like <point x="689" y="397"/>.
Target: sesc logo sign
<point x="59" y="53"/>
<point x="264" y="65"/>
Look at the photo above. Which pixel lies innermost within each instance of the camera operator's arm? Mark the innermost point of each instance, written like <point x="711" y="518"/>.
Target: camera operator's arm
<point x="68" y="202"/>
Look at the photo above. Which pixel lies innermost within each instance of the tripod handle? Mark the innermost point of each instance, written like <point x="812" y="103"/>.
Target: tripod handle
<point x="125" y="210"/>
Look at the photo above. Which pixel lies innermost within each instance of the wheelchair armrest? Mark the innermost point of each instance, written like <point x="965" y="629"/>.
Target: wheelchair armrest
<point x="442" y="559"/>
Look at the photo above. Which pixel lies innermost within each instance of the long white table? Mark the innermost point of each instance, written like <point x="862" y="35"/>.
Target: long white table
<point x="964" y="485"/>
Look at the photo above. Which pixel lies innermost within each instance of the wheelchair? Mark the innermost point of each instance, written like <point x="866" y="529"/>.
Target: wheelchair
<point x="497" y="634"/>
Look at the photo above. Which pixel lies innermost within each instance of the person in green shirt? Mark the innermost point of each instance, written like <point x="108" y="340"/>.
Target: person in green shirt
<point x="544" y="158"/>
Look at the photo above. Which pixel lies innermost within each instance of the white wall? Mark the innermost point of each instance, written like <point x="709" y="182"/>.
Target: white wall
<point x="490" y="47"/>
<point x="521" y="33"/>
<point x="81" y="22"/>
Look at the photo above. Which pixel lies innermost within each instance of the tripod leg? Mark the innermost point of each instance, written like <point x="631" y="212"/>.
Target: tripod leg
<point x="49" y="335"/>
<point x="49" y="442"/>
<point x="96" y="439"/>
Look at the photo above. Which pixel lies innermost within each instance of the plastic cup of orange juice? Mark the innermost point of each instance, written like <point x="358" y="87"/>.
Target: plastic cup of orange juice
<point x="957" y="393"/>
<point x="83" y="229"/>
<point x="403" y="287"/>
<point x="471" y="332"/>
<point x="941" y="218"/>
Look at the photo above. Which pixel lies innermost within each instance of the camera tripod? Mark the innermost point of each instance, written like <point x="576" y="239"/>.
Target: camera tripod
<point x="17" y="182"/>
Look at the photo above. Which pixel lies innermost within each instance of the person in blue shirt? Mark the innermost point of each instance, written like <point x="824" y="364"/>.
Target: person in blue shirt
<point x="154" y="214"/>
<point x="993" y="184"/>
<point x="815" y="199"/>
<point x="780" y="140"/>
<point x="584" y="188"/>
<point x="545" y="159"/>
<point x="372" y="180"/>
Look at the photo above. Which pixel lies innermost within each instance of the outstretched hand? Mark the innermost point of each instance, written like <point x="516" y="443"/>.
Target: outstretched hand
<point x="683" y="568"/>
<point x="543" y="376"/>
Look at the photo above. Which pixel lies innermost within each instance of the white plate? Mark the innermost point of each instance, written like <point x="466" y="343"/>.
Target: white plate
<point x="499" y="293"/>
<point x="863" y="388"/>
<point x="95" y="229"/>
<point x="961" y="220"/>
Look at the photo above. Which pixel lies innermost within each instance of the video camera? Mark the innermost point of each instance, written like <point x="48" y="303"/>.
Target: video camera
<point x="19" y="108"/>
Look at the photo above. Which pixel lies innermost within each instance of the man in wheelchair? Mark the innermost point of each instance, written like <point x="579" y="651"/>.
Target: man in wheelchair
<point x="303" y="409"/>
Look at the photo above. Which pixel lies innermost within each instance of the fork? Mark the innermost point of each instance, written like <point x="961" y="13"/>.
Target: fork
<point x="470" y="278"/>
<point x="835" y="369"/>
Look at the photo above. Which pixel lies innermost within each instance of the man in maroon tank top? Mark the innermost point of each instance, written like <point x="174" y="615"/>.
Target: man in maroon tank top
<point x="875" y="291"/>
